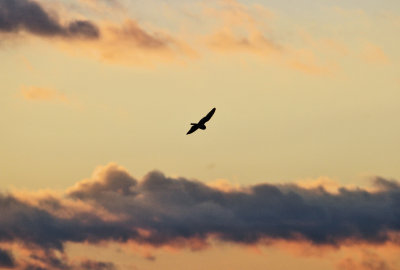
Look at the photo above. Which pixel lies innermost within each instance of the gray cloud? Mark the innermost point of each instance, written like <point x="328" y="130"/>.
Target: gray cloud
<point x="94" y="265"/>
<point x="33" y="226"/>
<point x="50" y="261"/>
<point x="161" y="210"/>
<point x="17" y="15"/>
<point x="173" y="208"/>
<point x="6" y="259"/>
<point x="34" y="267"/>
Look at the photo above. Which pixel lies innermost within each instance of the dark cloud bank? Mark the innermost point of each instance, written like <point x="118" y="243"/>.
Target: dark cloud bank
<point x="170" y="209"/>
<point x="30" y="16"/>
<point x="160" y="210"/>
<point x="6" y="259"/>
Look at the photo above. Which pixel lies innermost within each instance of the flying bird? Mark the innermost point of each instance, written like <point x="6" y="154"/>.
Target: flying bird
<point x="201" y="123"/>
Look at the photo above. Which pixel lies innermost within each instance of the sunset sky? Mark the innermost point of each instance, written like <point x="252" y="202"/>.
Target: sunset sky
<point x="298" y="168"/>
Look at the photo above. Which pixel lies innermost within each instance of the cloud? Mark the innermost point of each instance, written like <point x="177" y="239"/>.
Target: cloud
<point x="306" y="61"/>
<point x="374" y="54"/>
<point x="123" y="42"/>
<point x="245" y="29"/>
<point x="160" y="210"/>
<point x="240" y="29"/>
<point x="226" y="40"/>
<point x="128" y="43"/>
<point x="30" y="16"/>
<point x="43" y="94"/>
<point x="227" y="26"/>
<point x="93" y="265"/>
<point x="131" y="31"/>
<point x="369" y="261"/>
<point x="101" y="4"/>
<point x="178" y="208"/>
<point x="109" y="2"/>
<point x="50" y="260"/>
<point x="6" y="259"/>
<point x="110" y="9"/>
<point x="48" y="230"/>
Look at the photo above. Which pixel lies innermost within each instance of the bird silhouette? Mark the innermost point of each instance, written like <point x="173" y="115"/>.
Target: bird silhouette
<point x="201" y="123"/>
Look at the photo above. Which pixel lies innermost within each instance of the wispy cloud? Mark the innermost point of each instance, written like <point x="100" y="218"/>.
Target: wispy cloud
<point x="102" y="5"/>
<point x="306" y="62"/>
<point x="226" y="40"/>
<point x="42" y="94"/>
<point x="374" y="54"/>
<point x="128" y="43"/>
<point x="230" y="28"/>
<point x="238" y="29"/>
<point x="244" y="29"/>
<point x="369" y="261"/>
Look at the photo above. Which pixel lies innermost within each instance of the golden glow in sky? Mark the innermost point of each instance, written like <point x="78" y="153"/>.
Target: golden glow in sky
<point x="307" y="97"/>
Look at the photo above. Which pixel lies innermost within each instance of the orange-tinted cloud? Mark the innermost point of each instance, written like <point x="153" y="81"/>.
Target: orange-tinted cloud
<point x="242" y="29"/>
<point x="129" y="44"/>
<point x="235" y="28"/>
<point x="226" y="40"/>
<point x="306" y="61"/>
<point x="369" y="261"/>
<point x="238" y="29"/>
<point x="96" y="3"/>
<point x="42" y="94"/>
<point x="374" y="54"/>
<point x="124" y="43"/>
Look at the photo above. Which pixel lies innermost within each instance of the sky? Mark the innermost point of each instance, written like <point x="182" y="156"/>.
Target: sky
<point x="298" y="168"/>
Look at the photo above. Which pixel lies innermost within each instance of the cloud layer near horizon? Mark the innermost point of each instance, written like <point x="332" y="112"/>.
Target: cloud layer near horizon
<point x="159" y="210"/>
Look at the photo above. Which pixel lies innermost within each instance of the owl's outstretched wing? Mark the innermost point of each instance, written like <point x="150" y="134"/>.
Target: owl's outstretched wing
<point x="207" y="117"/>
<point x="192" y="129"/>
